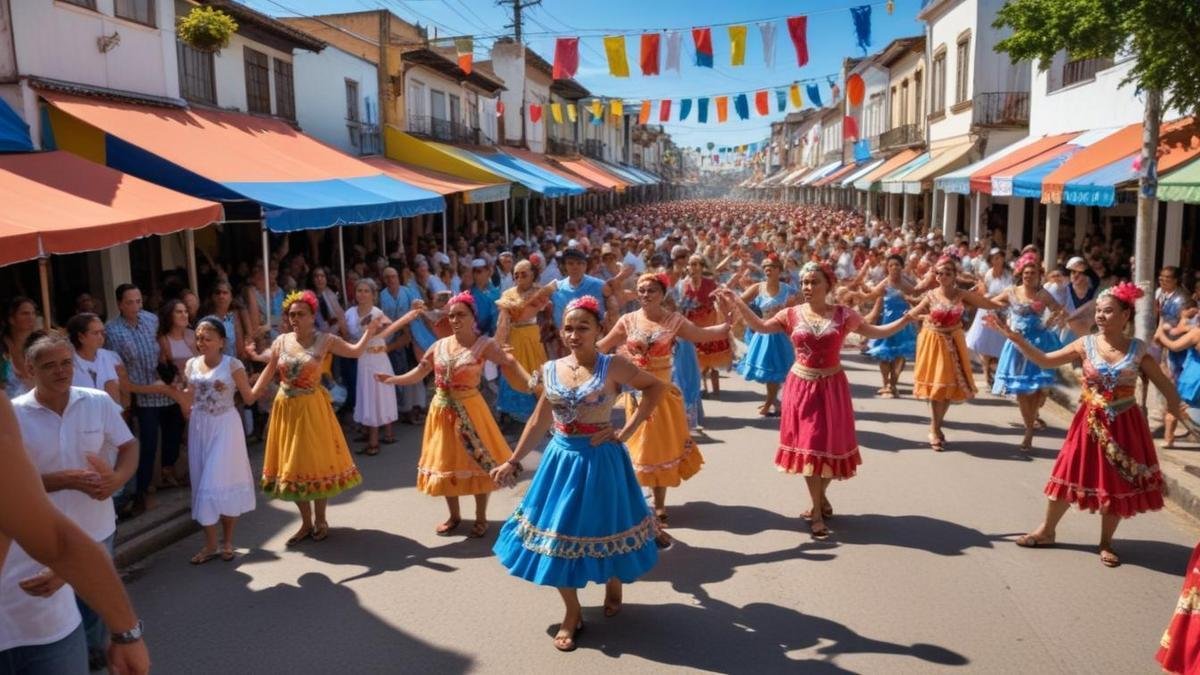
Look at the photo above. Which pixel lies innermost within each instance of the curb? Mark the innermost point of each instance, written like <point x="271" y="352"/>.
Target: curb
<point x="170" y="527"/>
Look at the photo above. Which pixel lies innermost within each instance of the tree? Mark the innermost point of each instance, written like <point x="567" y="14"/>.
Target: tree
<point x="1161" y="36"/>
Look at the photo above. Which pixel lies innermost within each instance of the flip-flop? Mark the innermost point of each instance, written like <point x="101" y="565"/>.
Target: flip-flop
<point x="295" y="539"/>
<point x="320" y="532"/>
<point x="1109" y="559"/>
<point x="388" y="441"/>
<point x="371" y="450"/>
<point x="822" y="533"/>
<point x="447" y="528"/>
<point x="478" y="529"/>
<point x="203" y="557"/>
<point x="611" y="609"/>
<point x="227" y="554"/>
<point x="1030" y="541"/>
<point x="568" y="642"/>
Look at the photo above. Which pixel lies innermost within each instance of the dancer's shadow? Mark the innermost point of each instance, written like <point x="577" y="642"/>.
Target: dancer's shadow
<point x="732" y="518"/>
<point x="1159" y="556"/>
<point x="922" y="533"/>
<point x="714" y="423"/>
<point x="1003" y="449"/>
<point x="690" y="568"/>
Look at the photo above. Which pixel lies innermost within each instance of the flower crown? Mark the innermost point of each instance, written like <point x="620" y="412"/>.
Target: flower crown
<point x="586" y="302"/>
<point x="1026" y="260"/>
<point x="1126" y="292"/>
<point x="307" y="297"/>
<point x="465" y="298"/>
<point x="822" y="267"/>
<point x="952" y="259"/>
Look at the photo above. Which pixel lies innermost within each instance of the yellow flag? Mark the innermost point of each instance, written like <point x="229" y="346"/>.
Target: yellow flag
<point x="737" y="45"/>
<point x="556" y="112"/>
<point x="597" y="107"/>
<point x="617" y="107"/>
<point x="797" y="101"/>
<point x="618" y="63"/>
<point x="571" y="114"/>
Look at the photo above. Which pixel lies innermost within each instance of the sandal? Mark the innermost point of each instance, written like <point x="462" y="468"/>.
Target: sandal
<point x="1039" y="423"/>
<point x="320" y="532"/>
<point x="1109" y="559"/>
<point x="300" y="536"/>
<point x="663" y="518"/>
<point x="611" y="607"/>
<point x="663" y="541"/>
<point x="388" y="440"/>
<point x="565" y="642"/>
<point x="764" y="410"/>
<point x="937" y="442"/>
<point x="826" y="512"/>
<point x="820" y="532"/>
<point x="203" y="556"/>
<point x="227" y="552"/>
<point x="478" y="529"/>
<point x="371" y="450"/>
<point x="1033" y="541"/>
<point x="446" y="528"/>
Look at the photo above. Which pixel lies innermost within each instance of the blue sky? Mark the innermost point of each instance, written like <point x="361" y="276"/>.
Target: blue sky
<point x="830" y="39"/>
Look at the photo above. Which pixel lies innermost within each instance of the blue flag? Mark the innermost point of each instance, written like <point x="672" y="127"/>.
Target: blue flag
<point x="742" y="105"/>
<point x="814" y="94"/>
<point x="685" y="108"/>
<point x="702" y="110"/>
<point x="781" y="99"/>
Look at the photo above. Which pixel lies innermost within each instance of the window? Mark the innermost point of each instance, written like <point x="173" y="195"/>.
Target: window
<point x="962" y="68"/>
<point x="904" y="103"/>
<point x="937" y="97"/>
<point x="258" y="82"/>
<point x="918" y="102"/>
<point x="352" y="101"/>
<point x="141" y="11"/>
<point x="455" y="109"/>
<point x="86" y="4"/>
<point x="437" y="104"/>
<point x="196" y="74"/>
<point x="285" y="93"/>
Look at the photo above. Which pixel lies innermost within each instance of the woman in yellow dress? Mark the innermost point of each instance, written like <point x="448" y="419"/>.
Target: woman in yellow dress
<point x="306" y="459"/>
<point x="662" y="449"/>
<point x="462" y="442"/>
<point x="518" y="327"/>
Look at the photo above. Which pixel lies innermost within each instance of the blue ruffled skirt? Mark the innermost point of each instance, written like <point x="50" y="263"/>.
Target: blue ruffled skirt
<point x="1188" y="382"/>
<point x="583" y="519"/>
<point x="514" y="403"/>
<point x="1016" y="374"/>
<point x="901" y="345"/>
<point x="769" y="357"/>
<point x="686" y="376"/>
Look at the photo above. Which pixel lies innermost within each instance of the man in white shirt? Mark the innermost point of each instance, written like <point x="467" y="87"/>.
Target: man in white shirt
<point x="69" y="433"/>
<point x="632" y="259"/>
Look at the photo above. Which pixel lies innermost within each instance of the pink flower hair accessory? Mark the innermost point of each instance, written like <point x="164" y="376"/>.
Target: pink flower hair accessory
<point x="586" y="302"/>
<point x="464" y="298"/>
<point x="1126" y="292"/>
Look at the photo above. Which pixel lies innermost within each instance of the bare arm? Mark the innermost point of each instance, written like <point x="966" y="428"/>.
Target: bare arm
<point x="983" y="302"/>
<point x="693" y="333"/>
<point x="878" y="332"/>
<point x="411" y="377"/>
<point x="408" y="317"/>
<point x="1188" y="339"/>
<point x="340" y="347"/>
<point x="1054" y="359"/>
<point x="652" y="388"/>
<point x="1155" y="374"/>
<point x="751" y="319"/>
<point x="612" y="339"/>
<point x="535" y="429"/>
<point x="242" y="382"/>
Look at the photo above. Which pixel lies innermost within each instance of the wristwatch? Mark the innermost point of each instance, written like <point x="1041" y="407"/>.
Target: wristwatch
<point x="130" y="636"/>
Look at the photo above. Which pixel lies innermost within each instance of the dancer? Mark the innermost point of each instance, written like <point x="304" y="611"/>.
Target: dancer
<point x="662" y="450"/>
<point x="583" y="518"/>
<point x="1188" y="382"/>
<point x="985" y="342"/>
<point x="222" y="481"/>
<point x="697" y="305"/>
<point x="306" y="459"/>
<point x="1170" y="299"/>
<point x="1107" y="462"/>
<point x="462" y="443"/>
<point x="942" y="373"/>
<point x="518" y="326"/>
<point x="894" y="351"/>
<point x="1015" y="375"/>
<point x="1179" y="648"/>
<point x="769" y="356"/>
<point x="816" y="434"/>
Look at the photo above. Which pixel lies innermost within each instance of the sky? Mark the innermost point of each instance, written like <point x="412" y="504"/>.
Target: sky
<point x="831" y="38"/>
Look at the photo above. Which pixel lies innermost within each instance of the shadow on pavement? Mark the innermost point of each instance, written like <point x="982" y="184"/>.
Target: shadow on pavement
<point x="689" y="568"/>
<point x="382" y="552"/>
<point x="1159" y="556"/>
<point x="731" y="518"/>
<point x="922" y="533"/>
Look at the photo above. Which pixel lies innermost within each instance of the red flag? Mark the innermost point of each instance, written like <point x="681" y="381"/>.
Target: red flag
<point x="664" y="110"/>
<point x="704" y="47"/>
<point x="797" y="27"/>
<point x="649" y="60"/>
<point x="535" y="112"/>
<point x="499" y="108"/>
<point x="566" y="57"/>
<point x="761" y="103"/>
<point x="850" y="128"/>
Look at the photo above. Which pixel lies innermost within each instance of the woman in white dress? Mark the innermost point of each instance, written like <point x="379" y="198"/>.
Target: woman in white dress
<point x="982" y="339"/>
<point x="374" y="403"/>
<point x="222" y="482"/>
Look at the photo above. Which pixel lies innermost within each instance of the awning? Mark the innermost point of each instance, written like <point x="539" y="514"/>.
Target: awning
<point x="820" y="173"/>
<point x="894" y="182"/>
<point x="14" y="132"/>
<point x="1177" y="146"/>
<point x="941" y="161"/>
<point x="863" y="170"/>
<point x="959" y="182"/>
<point x="828" y="181"/>
<point x="631" y="177"/>
<point x="1027" y="176"/>
<point x="996" y="178"/>
<point x="411" y="150"/>
<point x="519" y="171"/>
<point x="794" y="177"/>
<point x="441" y="183"/>
<point x="544" y="163"/>
<point x="1181" y="185"/>
<point x="594" y="173"/>
<point x="651" y="177"/>
<point x="57" y="202"/>
<point x="871" y="181"/>
<point x="774" y="179"/>
<point x="300" y="182"/>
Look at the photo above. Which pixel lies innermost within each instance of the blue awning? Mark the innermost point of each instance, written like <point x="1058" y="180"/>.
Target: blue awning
<point x="642" y="173"/>
<point x="625" y="173"/>
<point x="14" y="132"/>
<point x="530" y="175"/>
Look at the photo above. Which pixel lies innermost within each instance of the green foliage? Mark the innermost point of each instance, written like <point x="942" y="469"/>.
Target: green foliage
<point x="206" y="29"/>
<point x="1161" y="34"/>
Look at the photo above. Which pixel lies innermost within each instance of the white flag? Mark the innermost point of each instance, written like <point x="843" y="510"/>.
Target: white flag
<point x="767" y="28"/>
<point x="673" y="46"/>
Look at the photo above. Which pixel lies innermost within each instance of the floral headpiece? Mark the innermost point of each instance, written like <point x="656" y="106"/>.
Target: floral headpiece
<point x="586" y="302"/>
<point x="465" y="298"/>
<point x="1026" y="260"/>
<point x="772" y="259"/>
<point x="663" y="279"/>
<point x="821" y="267"/>
<point x="307" y="297"/>
<point x="953" y="260"/>
<point x="1127" y="293"/>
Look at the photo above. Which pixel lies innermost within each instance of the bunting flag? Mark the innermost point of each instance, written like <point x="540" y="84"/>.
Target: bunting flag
<point x="650" y="48"/>
<point x="737" y="45"/>
<point x="704" y="49"/>
<point x="499" y="108"/>
<point x="597" y="109"/>
<point x="572" y="114"/>
<point x="702" y="110"/>
<point x="798" y="29"/>
<point x="722" y="108"/>
<point x="856" y="89"/>
<point x="850" y="128"/>
<point x="862" y="26"/>
<point x="616" y="107"/>
<point x="761" y="103"/>
<point x="465" y="48"/>
<point x="741" y="105"/>
<point x="834" y="91"/>
<point x="781" y="100"/>
<point x="556" y="112"/>
<point x="535" y="113"/>
<point x="614" y="48"/>
<point x="664" y="110"/>
<point x="797" y="100"/>
<point x="814" y="94"/>
<point x="644" y="113"/>
<point x="566" y="57"/>
<point x="674" y="47"/>
<point x="766" y="30"/>
<point x="685" y="109"/>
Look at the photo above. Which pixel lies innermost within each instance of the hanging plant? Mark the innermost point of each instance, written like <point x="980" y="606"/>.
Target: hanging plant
<point x="206" y="29"/>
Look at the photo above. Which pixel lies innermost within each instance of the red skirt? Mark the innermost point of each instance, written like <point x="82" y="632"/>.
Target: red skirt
<point x="816" y="430"/>
<point x="1083" y="475"/>
<point x="1179" y="649"/>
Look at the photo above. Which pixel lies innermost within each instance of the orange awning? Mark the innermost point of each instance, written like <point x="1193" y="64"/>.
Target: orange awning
<point x="981" y="180"/>
<point x="593" y="173"/>
<point x="840" y="173"/>
<point x="475" y="192"/>
<point x="542" y="162"/>
<point x="57" y="202"/>
<point x="867" y="182"/>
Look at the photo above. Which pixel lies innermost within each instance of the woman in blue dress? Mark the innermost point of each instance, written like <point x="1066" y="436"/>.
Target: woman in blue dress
<point x="686" y="372"/>
<point x="583" y="518"/>
<point x="1016" y="375"/>
<point x="769" y="356"/>
<point x="1188" y="381"/>
<point x="1170" y="299"/>
<point x="892" y="352"/>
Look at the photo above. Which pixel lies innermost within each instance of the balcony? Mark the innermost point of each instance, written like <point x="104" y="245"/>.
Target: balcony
<point x="447" y="131"/>
<point x="561" y="146"/>
<point x="902" y="136"/>
<point x="1000" y="109"/>
<point x="594" y="148"/>
<point x="364" y="138"/>
<point x="1074" y="72"/>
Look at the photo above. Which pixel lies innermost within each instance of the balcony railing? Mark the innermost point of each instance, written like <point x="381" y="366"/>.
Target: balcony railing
<point x="1080" y="70"/>
<point x="443" y="130"/>
<point x="1000" y="109"/>
<point x="364" y="138"/>
<point x="902" y="136"/>
<point x="562" y="146"/>
<point x="593" y="147"/>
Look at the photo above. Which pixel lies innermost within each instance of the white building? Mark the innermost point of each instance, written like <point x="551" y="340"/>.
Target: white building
<point x="349" y="123"/>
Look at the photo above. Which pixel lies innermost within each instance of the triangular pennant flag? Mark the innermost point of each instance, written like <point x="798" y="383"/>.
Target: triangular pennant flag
<point x="761" y="103"/>
<point x="614" y="48"/>
<point x="814" y="94"/>
<point x="685" y="108"/>
<point x="704" y="48"/>
<point x="674" y="46"/>
<point x="465" y="48"/>
<point x="702" y="110"/>
<point x="722" y="108"/>
<point x="616" y="107"/>
<point x="572" y="114"/>
<point x="797" y="28"/>
<point x="649" y="56"/>
<point x="566" y="57"/>
<point x="644" y="113"/>
<point x="535" y="113"/>
<point x="742" y="106"/>
<point x="766" y="30"/>
<point x="797" y="100"/>
<point x="780" y="100"/>
<point x="862" y="26"/>
<point x="556" y="112"/>
<point x="737" y="45"/>
<point x="664" y="110"/>
<point x="597" y="108"/>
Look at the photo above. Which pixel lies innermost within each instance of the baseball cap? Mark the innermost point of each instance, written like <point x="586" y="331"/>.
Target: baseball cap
<point x="573" y="254"/>
<point x="478" y="263"/>
<point x="1077" y="264"/>
<point x="518" y="242"/>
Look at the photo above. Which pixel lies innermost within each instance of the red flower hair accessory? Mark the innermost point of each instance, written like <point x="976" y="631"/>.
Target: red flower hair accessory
<point x="1126" y="292"/>
<point x="586" y="302"/>
<point x="307" y="297"/>
<point x="664" y="280"/>
<point x="953" y="260"/>
<point x="465" y="298"/>
<point x="1026" y="260"/>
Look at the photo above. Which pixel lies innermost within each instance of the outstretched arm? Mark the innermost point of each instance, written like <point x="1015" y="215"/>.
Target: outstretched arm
<point x="1054" y="359"/>
<point x="411" y="377"/>
<point x="751" y="319"/>
<point x="878" y="332"/>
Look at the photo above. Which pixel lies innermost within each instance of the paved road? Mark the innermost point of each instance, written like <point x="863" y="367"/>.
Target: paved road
<point x="920" y="575"/>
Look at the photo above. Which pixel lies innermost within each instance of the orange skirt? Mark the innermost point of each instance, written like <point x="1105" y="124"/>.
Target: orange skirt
<point x="942" y="371"/>
<point x="662" y="449"/>
<point x="446" y="467"/>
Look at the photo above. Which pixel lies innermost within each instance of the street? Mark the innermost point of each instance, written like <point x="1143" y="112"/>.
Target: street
<point x="920" y="574"/>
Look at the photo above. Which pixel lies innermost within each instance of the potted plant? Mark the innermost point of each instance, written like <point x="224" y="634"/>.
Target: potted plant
<point x="206" y="29"/>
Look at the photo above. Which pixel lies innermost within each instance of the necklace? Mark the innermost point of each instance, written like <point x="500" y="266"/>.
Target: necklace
<point x="575" y="368"/>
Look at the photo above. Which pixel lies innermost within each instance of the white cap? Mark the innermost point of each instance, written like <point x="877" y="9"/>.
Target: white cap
<point x="1076" y="262"/>
<point x="573" y="243"/>
<point x="478" y="263"/>
<point x="518" y="242"/>
<point x="441" y="258"/>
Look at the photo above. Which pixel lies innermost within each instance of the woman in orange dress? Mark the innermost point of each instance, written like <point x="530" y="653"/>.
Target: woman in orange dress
<point x="518" y="327"/>
<point x="698" y="305"/>
<point x="462" y="442"/>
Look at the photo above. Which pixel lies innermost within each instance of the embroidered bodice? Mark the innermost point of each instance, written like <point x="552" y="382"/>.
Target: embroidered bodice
<point x="819" y="346"/>
<point x="461" y="370"/>
<point x="299" y="368"/>
<point x="945" y="315"/>
<point x="212" y="390"/>
<point x="522" y="311"/>
<point x="648" y="344"/>
<point x="584" y="408"/>
<point x="696" y="300"/>
<point x="1106" y="378"/>
<point x="1024" y="316"/>
<point x="768" y="305"/>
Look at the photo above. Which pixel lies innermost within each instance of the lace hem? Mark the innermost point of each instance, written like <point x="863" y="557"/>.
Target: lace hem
<point x="556" y="545"/>
<point x="1123" y="504"/>
<point x="807" y="462"/>
<point x="303" y="490"/>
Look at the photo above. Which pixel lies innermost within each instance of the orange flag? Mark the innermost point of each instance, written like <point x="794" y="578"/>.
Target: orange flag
<point x="644" y="113"/>
<point x="761" y="104"/>
<point x="650" y="50"/>
<point x="722" y="108"/>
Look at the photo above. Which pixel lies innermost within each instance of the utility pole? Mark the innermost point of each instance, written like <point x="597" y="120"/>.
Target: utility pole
<point x="1146" y="229"/>
<point x="517" y="6"/>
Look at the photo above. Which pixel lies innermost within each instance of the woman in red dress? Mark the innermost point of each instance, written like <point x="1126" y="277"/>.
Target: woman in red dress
<point x="698" y="306"/>
<point x="1107" y="462"/>
<point x="1179" y="649"/>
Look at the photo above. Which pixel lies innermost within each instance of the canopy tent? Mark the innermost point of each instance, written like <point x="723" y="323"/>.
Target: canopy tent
<point x="57" y="203"/>
<point x="863" y="169"/>
<point x="941" y="160"/>
<point x="444" y="184"/>
<point x="820" y="173"/>
<point x="894" y="182"/>
<point x="517" y="170"/>
<point x="543" y="162"/>
<point x="872" y="181"/>
<point x="1182" y="184"/>
<point x="1026" y="177"/>
<point x="14" y="133"/>
<point x="300" y="182"/>
<point x="593" y="173"/>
